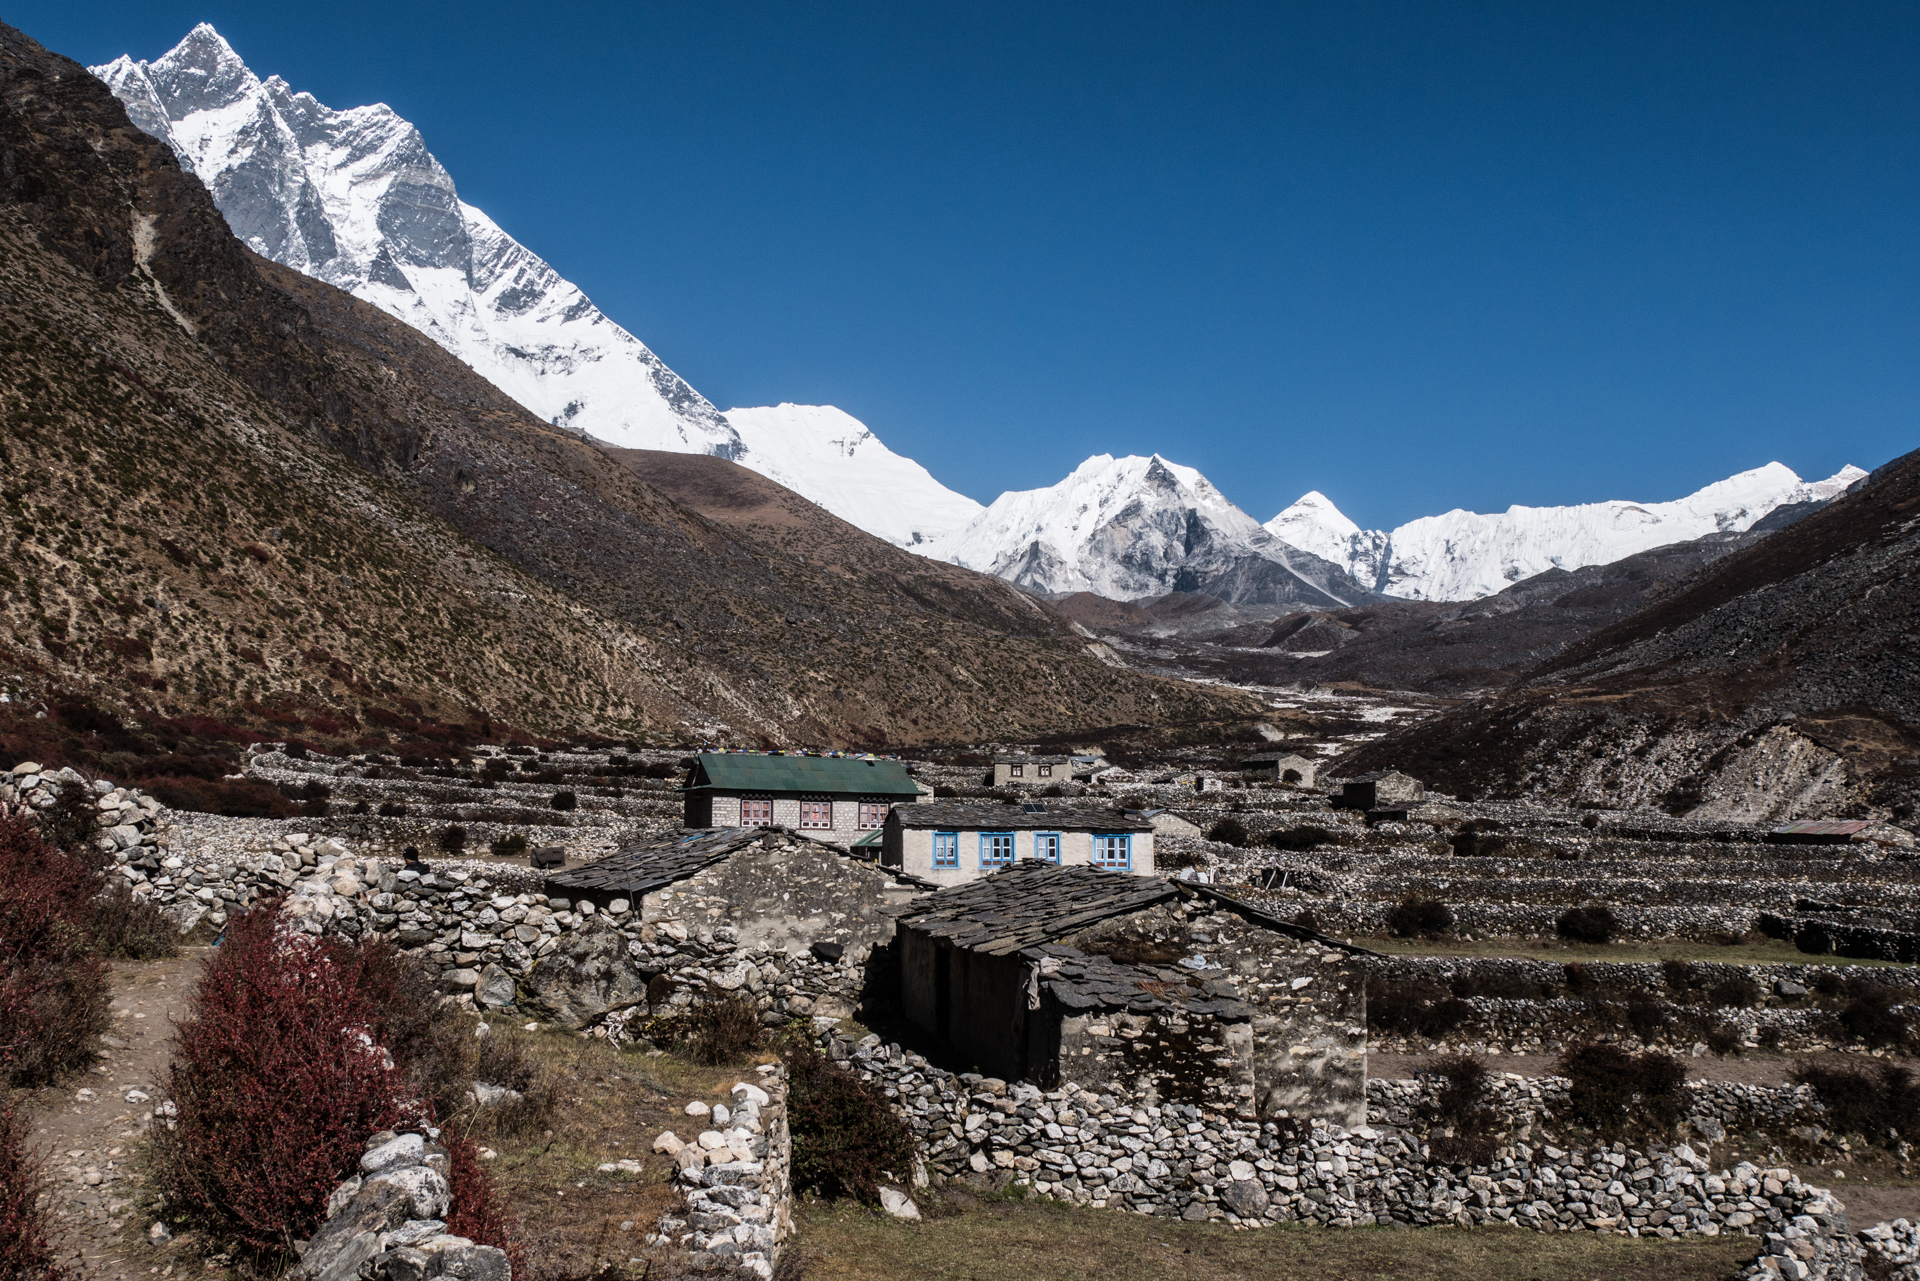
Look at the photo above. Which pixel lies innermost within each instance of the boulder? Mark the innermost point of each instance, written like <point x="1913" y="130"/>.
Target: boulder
<point x="588" y="975"/>
<point x="494" y="988"/>
<point x="898" y="1204"/>
<point x="1245" y="1197"/>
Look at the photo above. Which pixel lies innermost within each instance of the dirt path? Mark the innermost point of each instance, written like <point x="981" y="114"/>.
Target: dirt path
<point x="90" y="1126"/>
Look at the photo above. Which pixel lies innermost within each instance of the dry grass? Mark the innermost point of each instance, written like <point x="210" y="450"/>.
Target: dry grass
<point x="612" y="1104"/>
<point x="1045" y="1241"/>
<point x="1760" y="952"/>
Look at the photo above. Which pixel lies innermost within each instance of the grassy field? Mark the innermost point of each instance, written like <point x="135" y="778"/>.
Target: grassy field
<point x="1046" y="1241"/>
<point x="1744" y="953"/>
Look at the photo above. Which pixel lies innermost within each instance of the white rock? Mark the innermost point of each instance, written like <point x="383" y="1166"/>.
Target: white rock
<point x="720" y="1114"/>
<point x="753" y="1094"/>
<point x="668" y="1143"/>
<point x="697" y="1108"/>
<point x="898" y="1204"/>
<point x="712" y="1140"/>
<point x="408" y="1149"/>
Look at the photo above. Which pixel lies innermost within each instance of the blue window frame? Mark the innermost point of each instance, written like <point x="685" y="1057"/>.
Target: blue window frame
<point x="1113" y="851"/>
<point x="1046" y="846"/>
<point x="946" y="849"/>
<point x="996" y="849"/>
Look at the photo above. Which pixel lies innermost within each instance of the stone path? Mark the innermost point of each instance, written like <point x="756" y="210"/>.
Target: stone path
<point x="90" y="1126"/>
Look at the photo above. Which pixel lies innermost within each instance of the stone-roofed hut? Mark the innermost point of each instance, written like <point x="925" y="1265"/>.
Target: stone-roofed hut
<point x="1158" y="991"/>
<point x="772" y="890"/>
<point x="831" y="798"/>
<point x="954" y="842"/>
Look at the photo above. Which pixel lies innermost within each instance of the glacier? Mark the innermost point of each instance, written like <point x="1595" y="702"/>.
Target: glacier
<point x="355" y="199"/>
<point x="1462" y="555"/>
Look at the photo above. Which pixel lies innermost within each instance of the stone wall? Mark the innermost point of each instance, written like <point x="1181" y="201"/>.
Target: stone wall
<point x="1179" y="1160"/>
<point x="388" y="1222"/>
<point x="738" y="1183"/>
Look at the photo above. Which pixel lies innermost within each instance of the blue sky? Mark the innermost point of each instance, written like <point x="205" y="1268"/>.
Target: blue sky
<point x="1417" y="256"/>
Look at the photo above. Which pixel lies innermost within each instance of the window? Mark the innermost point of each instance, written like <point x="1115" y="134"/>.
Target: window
<point x="996" y="849"/>
<point x="1113" y="851"/>
<point x="1046" y="846"/>
<point x="756" y="811"/>
<point x="1046" y="771"/>
<point x="946" y="849"/>
<point x="816" y="812"/>
<point x="1016" y="771"/>
<point x="873" y="814"/>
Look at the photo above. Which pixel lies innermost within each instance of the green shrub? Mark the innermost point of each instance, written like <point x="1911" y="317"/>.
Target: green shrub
<point x="1882" y="1108"/>
<point x="1228" y="831"/>
<point x="847" y="1139"/>
<point x="1593" y="924"/>
<point x="452" y="840"/>
<point x="1425" y="1009"/>
<point x="723" y="1029"/>
<point x="1610" y="1088"/>
<point x="1417" y="916"/>
<point x="509" y="845"/>
<point x="564" y="801"/>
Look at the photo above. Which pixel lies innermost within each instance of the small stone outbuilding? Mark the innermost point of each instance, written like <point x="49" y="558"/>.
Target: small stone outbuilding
<point x="1289" y="768"/>
<point x="1022" y="769"/>
<point x="1157" y="991"/>
<point x="1381" y="789"/>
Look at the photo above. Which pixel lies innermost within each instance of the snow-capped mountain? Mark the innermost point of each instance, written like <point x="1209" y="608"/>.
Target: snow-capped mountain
<point x="831" y="458"/>
<point x="354" y="198"/>
<point x="1128" y="528"/>
<point x="1464" y="555"/>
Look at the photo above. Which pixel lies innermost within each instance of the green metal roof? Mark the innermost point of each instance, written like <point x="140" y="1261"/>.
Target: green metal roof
<point x="872" y="840"/>
<point x="836" y="775"/>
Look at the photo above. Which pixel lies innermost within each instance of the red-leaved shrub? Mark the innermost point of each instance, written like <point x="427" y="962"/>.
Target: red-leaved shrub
<point x="53" y="988"/>
<point x="277" y="1081"/>
<point x="26" y="1252"/>
<point x="475" y="1214"/>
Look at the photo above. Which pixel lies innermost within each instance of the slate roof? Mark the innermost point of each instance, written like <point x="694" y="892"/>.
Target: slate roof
<point x="1035" y="816"/>
<point x="834" y="775"/>
<point x="1824" y="827"/>
<point x="1031" y="903"/>
<point x="641" y="869"/>
<point x="1079" y="981"/>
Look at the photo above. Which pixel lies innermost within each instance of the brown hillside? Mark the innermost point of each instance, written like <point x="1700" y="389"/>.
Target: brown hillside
<point x="232" y="489"/>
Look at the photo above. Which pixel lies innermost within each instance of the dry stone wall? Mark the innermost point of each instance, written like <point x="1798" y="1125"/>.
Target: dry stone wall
<point x="737" y="1180"/>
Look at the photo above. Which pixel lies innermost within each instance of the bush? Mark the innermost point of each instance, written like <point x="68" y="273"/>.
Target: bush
<point x="392" y="809"/>
<point x="1307" y="836"/>
<point x="1587" y="925"/>
<point x="846" y="1138"/>
<point x="126" y="926"/>
<point x="508" y="845"/>
<point x="1474" y="838"/>
<point x="54" y="996"/>
<point x="1459" y="1106"/>
<point x="1503" y="985"/>
<point x="1737" y="992"/>
<point x="1610" y="1087"/>
<point x="1724" y="1041"/>
<point x="1228" y="831"/>
<point x="1425" y="1009"/>
<point x="1871" y="1017"/>
<point x="1646" y="1016"/>
<point x="503" y="1060"/>
<point x="277" y="1081"/>
<point x="1883" y="1108"/>
<point x="452" y="839"/>
<point x="72" y="822"/>
<point x="1171" y="857"/>
<point x="1681" y="977"/>
<point x="723" y="1030"/>
<point x="26" y="1247"/>
<point x="564" y="801"/>
<point x="1419" y="917"/>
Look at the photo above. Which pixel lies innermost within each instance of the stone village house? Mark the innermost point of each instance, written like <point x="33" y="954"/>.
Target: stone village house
<point x="1156" y="991"/>
<point x="833" y="798"/>
<point x="1021" y="769"/>
<point x="953" y="842"/>
<point x="1284" y="767"/>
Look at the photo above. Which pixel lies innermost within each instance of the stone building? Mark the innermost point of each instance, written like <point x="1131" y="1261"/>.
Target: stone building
<point x="1290" y="768"/>
<point x="952" y="842"/>
<point x="1156" y="991"/>
<point x="1382" y="789"/>
<point x="1020" y="769"/>
<point x="831" y="798"/>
